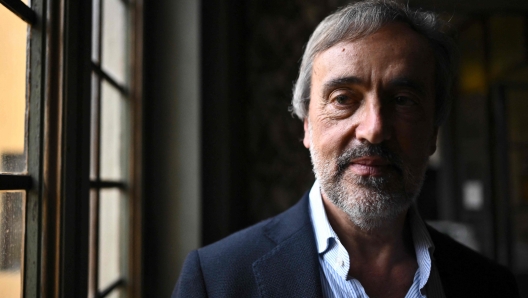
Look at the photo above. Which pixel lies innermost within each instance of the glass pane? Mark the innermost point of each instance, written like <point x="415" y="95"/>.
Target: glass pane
<point x="114" y="39"/>
<point x="93" y="262"/>
<point x="112" y="116"/>
<point x="94" y="128"/>
<point x="116" y="293"/>
<point x="111" y="236"/>
<point x="95" y="30"/>
<point x="13" y="42"/>
<point x="12" y="211"/>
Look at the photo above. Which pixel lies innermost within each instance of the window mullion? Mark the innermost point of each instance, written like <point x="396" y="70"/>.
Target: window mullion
<point x="14" y="182"/>
<point x="21" y="10"/>
<point x="107" y="184"/>
<point x="97" y="69"/>
<point x="75" y="156"/>
<point x="134" y="288"/>
<point x="96" y="153"/>
<point x="35" y="148"/>
<point x="111" y="287"/>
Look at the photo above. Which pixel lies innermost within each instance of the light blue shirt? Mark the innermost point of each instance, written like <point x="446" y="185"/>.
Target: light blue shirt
<point x="335" y="262"/>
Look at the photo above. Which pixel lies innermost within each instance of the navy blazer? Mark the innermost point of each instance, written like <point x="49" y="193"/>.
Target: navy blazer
<point x="277" y="258"/>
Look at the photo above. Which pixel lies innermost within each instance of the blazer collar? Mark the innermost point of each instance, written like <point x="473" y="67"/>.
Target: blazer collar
<point x="291" y="268"/>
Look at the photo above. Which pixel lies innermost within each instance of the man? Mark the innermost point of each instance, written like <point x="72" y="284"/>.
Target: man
<point x="372" y="92"/>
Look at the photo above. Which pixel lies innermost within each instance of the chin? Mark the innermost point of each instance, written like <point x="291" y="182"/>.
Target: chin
<point x="372" y="202"/>
<point x="369" y="208"/>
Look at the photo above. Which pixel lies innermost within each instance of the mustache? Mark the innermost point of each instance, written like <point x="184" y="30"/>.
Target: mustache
<point x="367" y="149"/>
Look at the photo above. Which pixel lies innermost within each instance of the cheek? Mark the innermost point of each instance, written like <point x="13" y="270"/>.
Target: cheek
<point x="331" y="137"/>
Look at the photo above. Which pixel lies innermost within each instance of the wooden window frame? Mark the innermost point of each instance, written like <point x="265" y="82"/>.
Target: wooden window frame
<point x="58" y="153"/>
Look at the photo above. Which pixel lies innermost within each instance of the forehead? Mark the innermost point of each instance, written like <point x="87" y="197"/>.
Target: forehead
<point x="394" y="50"/>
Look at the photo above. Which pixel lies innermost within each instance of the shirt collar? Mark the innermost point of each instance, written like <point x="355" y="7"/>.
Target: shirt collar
<point x="323" y="231"/>
<point x="423" y="245"/>
<point x="326" y="237"/>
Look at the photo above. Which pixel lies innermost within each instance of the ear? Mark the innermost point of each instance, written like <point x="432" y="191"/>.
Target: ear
<point x="307" y="136"/>
<point x="434" y="139"/>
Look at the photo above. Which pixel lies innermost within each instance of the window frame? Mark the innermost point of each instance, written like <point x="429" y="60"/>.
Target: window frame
<point x="57" y="185"/>
<point x="31" y="180"/>
<point x="131" y="91"/>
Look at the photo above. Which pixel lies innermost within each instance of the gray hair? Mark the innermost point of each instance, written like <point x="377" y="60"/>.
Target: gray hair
<point x="364" y="18"/>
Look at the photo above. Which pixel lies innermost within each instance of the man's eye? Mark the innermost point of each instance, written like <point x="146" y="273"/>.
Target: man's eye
<point x="342" y="99"/>
<point x="404" y="101"/>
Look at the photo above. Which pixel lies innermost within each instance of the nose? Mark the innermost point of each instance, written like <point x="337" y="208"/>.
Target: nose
<point x="373" y="124"/>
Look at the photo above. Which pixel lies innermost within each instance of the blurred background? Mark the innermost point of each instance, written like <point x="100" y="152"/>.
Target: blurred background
<point x="220" y="150"/>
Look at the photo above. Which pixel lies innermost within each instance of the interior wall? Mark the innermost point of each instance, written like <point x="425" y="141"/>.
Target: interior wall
<point x="172" y="221"/>
<point x="224" y="120"/>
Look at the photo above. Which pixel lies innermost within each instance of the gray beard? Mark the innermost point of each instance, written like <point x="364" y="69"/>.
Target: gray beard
<point x="370" y="202"/>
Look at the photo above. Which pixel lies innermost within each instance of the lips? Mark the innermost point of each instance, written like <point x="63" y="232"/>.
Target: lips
<point x="370" y="166"/>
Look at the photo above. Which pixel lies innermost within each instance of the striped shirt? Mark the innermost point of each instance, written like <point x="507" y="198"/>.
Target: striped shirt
<point x="335" y="262"/>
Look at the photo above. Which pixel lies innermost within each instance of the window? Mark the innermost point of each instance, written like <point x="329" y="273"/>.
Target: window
<point x="111" y="137"/>
<point x="70" y="76"/>
<point x="16" y="165"/>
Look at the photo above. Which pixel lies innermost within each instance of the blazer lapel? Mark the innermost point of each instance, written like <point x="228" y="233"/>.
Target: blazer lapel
<point x="291" y="269"/>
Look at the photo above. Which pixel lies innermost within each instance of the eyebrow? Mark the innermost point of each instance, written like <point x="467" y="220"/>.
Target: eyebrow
<point x="330" y="85"/>
<point x="408" y="83"/>
<point x="338" y="82"/>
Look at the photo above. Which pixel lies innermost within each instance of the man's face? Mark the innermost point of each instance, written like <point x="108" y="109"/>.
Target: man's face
<point x="370" y="127"/>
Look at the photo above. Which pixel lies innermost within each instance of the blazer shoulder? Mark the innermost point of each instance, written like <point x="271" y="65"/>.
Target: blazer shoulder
<point x="464" y="271"/>
<point x="261" y="237"/>
<point x="226" y="266"/>
<point x="191" y="282"/>
<point x="449" y="251"/>
<point x="250" y="239"/>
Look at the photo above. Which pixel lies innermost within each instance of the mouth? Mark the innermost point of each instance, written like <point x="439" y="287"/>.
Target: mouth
<point x="371" y="166"/>
<point x="369" y="160"/>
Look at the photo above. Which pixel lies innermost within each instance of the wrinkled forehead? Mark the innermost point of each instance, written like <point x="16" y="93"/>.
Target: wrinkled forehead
<point x="393" y="44"/>
<point x="401" y="31"/>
